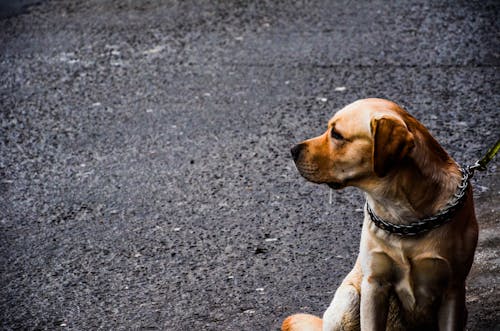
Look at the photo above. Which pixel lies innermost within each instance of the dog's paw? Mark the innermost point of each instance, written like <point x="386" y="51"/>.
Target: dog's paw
<point x="302" y="322"/>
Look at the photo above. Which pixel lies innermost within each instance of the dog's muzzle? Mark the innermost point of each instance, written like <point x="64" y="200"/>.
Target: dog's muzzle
<point x="296" y="150"/>
<point x="307" y="170"/>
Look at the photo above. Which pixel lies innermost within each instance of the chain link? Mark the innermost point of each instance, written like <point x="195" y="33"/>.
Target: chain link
<point x="442" y="217"/>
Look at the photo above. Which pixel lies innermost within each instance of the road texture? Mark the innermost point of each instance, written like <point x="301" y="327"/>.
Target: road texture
<point x="145" y="175"/>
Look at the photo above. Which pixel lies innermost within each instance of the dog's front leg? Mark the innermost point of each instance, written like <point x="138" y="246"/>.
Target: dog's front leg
<point x="452" y="313"/>
<point x="374" y="303"/>
<point x="375" y="288"/>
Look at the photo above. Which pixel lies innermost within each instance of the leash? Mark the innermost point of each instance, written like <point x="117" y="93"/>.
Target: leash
<point x="444" y="215"/>
<point x="483" y="162"/>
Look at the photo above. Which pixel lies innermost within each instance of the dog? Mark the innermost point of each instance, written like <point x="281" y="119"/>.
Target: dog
<point x="412" y="264"/>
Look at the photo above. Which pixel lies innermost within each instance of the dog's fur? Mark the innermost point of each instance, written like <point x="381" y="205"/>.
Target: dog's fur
<point x="397" y="283"/>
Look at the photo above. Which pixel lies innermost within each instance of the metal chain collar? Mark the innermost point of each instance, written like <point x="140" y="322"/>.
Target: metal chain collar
<point x="422" y="226"/>
<point x="444" y="215"/>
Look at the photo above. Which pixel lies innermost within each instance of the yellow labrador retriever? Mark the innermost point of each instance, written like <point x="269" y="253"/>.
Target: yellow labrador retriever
<point x="419" y="231"/>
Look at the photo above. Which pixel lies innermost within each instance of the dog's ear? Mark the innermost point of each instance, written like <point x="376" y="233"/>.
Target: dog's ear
<point x="391" y="143"/>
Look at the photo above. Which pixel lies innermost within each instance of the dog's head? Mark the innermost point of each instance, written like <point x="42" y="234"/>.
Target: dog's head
<point x="364" y="141"/>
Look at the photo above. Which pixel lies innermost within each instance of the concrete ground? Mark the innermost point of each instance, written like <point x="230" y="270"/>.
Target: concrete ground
<point x="145" y="176"/>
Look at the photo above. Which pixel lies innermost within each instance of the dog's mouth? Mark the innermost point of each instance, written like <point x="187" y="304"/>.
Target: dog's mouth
<point x="335" y="185"/>
<point x="311" y="172"/>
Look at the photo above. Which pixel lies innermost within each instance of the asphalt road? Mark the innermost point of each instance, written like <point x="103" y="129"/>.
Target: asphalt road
<point x="145" y="176"/>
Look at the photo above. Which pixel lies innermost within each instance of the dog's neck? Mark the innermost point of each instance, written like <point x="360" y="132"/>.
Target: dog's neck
<point x="419" y="187"/>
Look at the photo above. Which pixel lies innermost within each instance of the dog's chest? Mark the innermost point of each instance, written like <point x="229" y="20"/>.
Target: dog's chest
<point x="418" y="275"/>
<point x="421" y="281"/>
<point x="415" y="269"/>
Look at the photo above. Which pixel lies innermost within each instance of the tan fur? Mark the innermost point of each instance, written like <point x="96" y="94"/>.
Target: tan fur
<point x="397" y="283"/>
<point x="303" y="322"/>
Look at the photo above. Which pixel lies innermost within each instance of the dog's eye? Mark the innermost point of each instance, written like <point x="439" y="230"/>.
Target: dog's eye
<point x="336" y="135"/>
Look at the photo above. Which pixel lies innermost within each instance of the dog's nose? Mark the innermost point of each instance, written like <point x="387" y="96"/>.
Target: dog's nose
<point x="296" y="151"/>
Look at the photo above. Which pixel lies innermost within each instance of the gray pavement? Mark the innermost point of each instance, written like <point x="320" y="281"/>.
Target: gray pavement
<point x="145" y="177"/>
